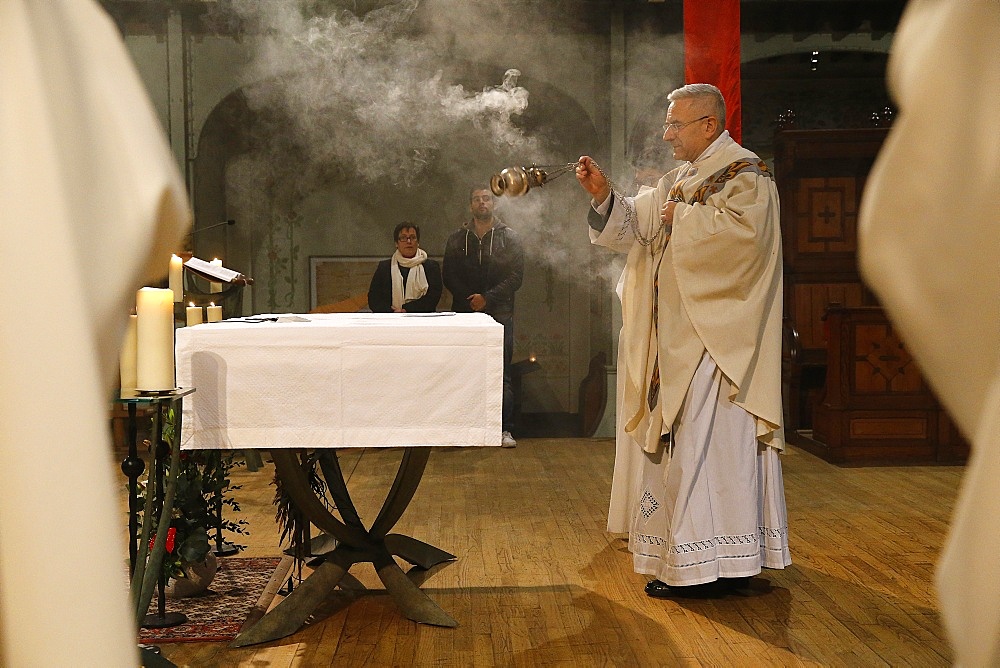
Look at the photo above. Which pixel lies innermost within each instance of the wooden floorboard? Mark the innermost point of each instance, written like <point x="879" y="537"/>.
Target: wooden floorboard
<point x="539" y="582"/>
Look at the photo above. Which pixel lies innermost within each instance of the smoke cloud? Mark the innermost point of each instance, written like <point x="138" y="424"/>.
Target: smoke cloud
<point x="366" y="95"/>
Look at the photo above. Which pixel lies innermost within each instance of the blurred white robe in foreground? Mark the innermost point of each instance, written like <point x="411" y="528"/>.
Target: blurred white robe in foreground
<point x="929" y="241"/>
<point x="91" y="205"/>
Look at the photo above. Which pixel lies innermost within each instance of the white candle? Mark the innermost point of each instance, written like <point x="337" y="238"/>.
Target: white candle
<point x="127" y="357"/>
<point x="154" y="368"/>
<point x="215" y="287"/>
<point x="214" y="313"/>
<point x="194" y="315"/>
<point x="177" y="278"/>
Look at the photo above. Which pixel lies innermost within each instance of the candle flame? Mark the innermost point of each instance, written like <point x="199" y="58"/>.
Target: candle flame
<point x="211" y="303"/>
<point x="191" y="304"/>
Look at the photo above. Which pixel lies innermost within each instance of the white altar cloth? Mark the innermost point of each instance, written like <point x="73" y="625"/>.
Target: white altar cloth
<point x="342" y="380"/>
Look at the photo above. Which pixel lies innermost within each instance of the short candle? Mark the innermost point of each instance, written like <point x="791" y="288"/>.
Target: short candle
<point x="214" y="313"/>
<point x="193" y="315"/>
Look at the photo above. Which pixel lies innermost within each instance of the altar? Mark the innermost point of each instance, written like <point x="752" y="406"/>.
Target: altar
<point x="296" y="384"/>
<point x="342" y="380"/>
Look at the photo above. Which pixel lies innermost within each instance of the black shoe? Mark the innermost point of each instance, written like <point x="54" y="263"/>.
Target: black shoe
<point x="732" y="584"/>
<point x="657" y="589"/>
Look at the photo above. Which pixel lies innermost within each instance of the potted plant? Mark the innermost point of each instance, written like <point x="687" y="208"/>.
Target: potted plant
<point x="202" y="487"/>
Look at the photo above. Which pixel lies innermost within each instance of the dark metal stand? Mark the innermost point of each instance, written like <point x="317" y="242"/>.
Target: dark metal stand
<point x="162" y="619"/>
<point x="133" y="466"/>
<point x="354" y="544"/>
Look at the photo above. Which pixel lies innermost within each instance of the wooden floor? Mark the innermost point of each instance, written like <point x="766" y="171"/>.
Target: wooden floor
<point x="539" y="582"/>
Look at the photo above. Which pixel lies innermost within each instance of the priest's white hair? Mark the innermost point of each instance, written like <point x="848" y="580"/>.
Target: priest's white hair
<point x="707" y="93"/>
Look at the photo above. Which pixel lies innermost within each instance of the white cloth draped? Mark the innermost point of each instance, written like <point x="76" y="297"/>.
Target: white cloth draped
<point x="343" y="380"/>
<point x="91" y="205"/>
<point x="929" y="242"/>
<point x="416" y="280"/>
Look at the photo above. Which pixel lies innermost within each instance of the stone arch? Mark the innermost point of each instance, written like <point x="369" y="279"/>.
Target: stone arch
<point x="232" y="128"/>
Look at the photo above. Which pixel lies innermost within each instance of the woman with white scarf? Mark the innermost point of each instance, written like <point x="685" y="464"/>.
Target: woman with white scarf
<point x="409" y="281"/>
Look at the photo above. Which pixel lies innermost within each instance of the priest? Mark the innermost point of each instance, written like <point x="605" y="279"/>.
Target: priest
<point x="697" y="481"/>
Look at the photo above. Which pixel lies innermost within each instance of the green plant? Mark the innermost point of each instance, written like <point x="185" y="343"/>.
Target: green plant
<point x="202" y="488"/>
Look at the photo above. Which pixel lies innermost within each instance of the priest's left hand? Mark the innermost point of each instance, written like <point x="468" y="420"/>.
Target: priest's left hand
<point x="667" y="212"/>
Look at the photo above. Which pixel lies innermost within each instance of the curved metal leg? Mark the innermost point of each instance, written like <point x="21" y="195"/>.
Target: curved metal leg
<point x="414" y="603"/>
<point x="296" y="484"/>
<point x="415" y="551"/>
<point x="289" y="615"/>
<point x="329" y="463"/>
<point x="355" y="543"/>
<point x="411" y="469"/>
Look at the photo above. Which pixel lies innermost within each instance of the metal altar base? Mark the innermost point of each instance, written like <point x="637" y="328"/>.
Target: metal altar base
<point x="354" y="544"/>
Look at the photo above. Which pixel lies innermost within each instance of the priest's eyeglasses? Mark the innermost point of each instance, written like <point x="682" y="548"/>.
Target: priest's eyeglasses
<point x="677" y="127"/>
<point x="407" y="237"/>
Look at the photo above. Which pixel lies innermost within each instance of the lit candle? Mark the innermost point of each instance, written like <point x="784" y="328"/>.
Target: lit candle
<point x="154" y="368"/>
<point x="214" y="313"/>
<point x="215" y="287"/>
<point x="194" y="315"/>
<point x="127" y="357"/>
<point x="177" y="278"/>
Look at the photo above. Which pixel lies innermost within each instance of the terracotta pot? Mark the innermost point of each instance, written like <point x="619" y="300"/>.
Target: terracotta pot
<point x="199" y="577"/>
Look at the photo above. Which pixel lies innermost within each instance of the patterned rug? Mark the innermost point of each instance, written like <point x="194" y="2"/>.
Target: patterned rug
<point x="239" y="590"/>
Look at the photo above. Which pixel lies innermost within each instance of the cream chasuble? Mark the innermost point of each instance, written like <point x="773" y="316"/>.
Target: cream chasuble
<point x="929" y="245"/>
<point x="719" y="288"/>
<point x="91" y="205"/>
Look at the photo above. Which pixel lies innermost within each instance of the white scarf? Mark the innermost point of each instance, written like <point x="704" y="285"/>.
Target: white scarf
<point x="416" y="284"/>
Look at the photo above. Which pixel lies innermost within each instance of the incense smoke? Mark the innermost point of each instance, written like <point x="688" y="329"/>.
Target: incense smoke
<point x="367" y="96"/>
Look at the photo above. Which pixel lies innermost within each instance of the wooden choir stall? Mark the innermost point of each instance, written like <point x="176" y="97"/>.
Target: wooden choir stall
<point x="852" y="393"/>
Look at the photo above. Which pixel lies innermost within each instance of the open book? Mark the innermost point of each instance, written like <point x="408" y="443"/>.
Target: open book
<point x="216" y="273"/>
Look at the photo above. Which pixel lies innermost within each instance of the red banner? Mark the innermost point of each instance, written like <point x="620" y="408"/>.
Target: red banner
<point x="712" y="52"/>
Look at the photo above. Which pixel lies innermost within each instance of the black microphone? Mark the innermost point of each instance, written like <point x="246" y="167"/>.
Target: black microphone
<point x="211" y="227"/>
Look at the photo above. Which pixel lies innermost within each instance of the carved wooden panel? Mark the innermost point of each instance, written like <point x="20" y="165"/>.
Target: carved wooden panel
<point x="809" y="302"/>
<point x="826" y="214"/>
<point x="881" y="363"/>
<point x="888" y="428"/>
<point x="876" y="407"/>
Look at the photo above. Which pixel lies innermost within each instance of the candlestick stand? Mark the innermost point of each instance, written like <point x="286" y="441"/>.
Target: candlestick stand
<point x="133" y="466"/>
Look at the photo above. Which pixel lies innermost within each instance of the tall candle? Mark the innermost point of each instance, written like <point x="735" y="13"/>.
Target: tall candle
<point x="154" y="368"/>
<point x="177" y="278"/>
<point x="215" y="287"/>
<point x="194" y="315"/>
<point x="214" y="313"/>
<point x="127" y="357"/>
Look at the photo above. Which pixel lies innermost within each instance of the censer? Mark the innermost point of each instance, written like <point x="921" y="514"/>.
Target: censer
<point x="516" y="181"/>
